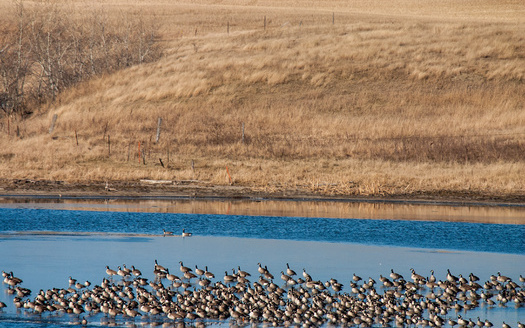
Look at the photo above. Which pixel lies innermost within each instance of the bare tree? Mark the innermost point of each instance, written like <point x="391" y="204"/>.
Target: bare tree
<point x="46" y="52"/>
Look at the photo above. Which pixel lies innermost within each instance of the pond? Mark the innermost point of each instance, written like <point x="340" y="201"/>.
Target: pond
<point x="45" y="242"/>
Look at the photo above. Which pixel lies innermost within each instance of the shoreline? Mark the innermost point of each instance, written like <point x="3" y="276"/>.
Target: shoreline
<point x="183" y="190"/>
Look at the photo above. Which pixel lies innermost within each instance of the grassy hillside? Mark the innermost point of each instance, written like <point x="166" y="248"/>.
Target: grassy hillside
<point x="335" y="97"/>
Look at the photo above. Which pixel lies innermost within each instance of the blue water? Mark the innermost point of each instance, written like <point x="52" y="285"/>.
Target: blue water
<point x="480" y="237"/>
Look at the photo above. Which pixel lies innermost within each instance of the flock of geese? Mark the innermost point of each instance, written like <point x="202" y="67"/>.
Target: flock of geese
<point x="197" y="297"/>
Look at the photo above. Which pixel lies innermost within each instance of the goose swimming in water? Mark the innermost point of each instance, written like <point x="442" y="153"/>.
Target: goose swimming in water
<point x="167" y="233"/>
<point x="186" y="234"/>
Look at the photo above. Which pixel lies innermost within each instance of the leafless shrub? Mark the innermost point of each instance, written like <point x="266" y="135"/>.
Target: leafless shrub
<point x="45" y="50"/>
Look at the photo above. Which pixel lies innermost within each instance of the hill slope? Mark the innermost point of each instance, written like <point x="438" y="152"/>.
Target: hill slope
<point x="334" y="100"/>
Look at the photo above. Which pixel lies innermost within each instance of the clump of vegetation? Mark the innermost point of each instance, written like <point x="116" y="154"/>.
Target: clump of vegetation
<point x="46" y="48"/>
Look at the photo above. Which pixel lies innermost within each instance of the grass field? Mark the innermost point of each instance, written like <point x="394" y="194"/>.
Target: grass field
<point x="379" y="98"/>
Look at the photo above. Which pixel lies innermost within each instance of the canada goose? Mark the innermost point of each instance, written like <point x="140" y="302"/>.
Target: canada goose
<point x="461" y="321"/>
<point x="183" y="269"/>
<point x="208" y="274"/>
<point x="228" y="278"/>
<point x="502" y="278"/>
<point x="2" y="305"/>
<point x="185" y="234"/>
<point x="488" y="323"/>
<point x="159" y="267"/>
<point x="289" y="271"/>
<point x="11" y="280"/>
<point x="260" y="269"/>
<point x="473" y="278"/>
<point x="267" y="273"/>
<point x="171" y="277"/>
<point x="356" y="278"/>
<point x="417" y="278"/>
<point x="451" y="278"/>
<point x="136" y="272"/>
<point x="110" y="272"/>
<point x="395" y="276"/>
<point x="198" y="271"/>
<point x="242" y="273"/>
<point x="285" y="277"/>
<point x="432" y="278"/>
<point x="504" y="325"/>
<point x="189" y="275"/>
<point x="306" y="276"/>
<point x="167" y="233"/>
<point x="121" y="272"/>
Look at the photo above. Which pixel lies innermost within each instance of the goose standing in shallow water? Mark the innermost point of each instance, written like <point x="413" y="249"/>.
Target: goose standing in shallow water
<point x="289" y="271"/>
<point x="186" y="234"/>
<point x="167" y="233"/>
<point x="110" y="272"/>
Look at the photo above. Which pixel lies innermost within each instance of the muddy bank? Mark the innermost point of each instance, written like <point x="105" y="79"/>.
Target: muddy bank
<point x="146" y="189"/>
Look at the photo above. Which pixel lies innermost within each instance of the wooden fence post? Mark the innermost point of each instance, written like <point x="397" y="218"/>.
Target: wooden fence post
<point x="53" y="121"/>
<point x="159" y="122"/>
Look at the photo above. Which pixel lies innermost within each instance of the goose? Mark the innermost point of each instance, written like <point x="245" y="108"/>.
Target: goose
<point x="461" y="321"/>
<point x="306" y="276"/>
<point x="228" y="278"/>
<point x="289" y="271"/>
<point x="473" y="278"/>
<point x="167" y="233"/>
<point x="2" y="305"/>
<point x="189" y="275"/>
<point x="451" y="278"/>
<point x="503" y="278"/>
<point x="121" y="272"/>
<point x="136" y="272"/>
<point x="432" y="278"/>
<point x="242" y="273"/>
<point x="183" y="269"/>
<point x="356" y="278"/>
<point x="285" y="277"/>
<point x="267" y="273"/>
<point x="110" y="272"/>
<point x="504" y="325"/>
<point x="11" y="280"/>
<point x="208" y="274"/>
<point x="72" y="281"/>
<point x="186" y="234"/>
<point x="414" y="276"/>
<point x="488" y="323"/>
<point x="126" y="270"/>
<point x="159" y="267"/>
<point x="198" y="271"/>
<point x="261" y="269"/>
<point x="395" y="276"/>
<point x="171" y="277"/>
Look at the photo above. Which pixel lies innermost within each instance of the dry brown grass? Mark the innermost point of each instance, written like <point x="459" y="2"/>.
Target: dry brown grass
<point x="398" y="98"/>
